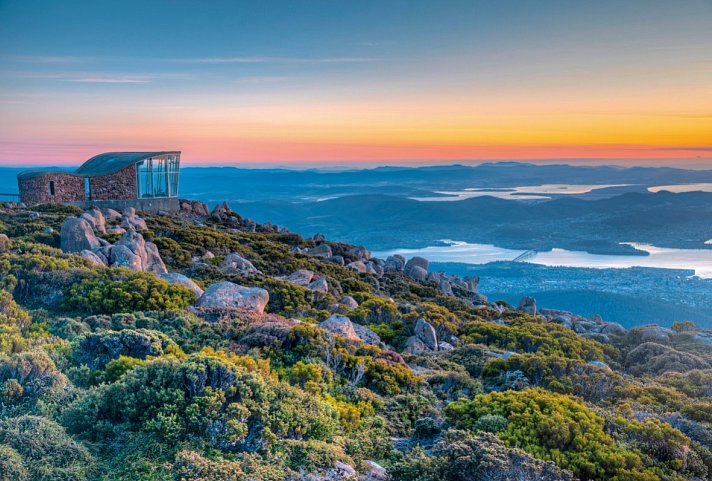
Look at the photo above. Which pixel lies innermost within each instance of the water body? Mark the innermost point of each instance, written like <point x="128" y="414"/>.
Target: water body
<point x="698" y="260"/>
<point x="703" y="187"/>
<point x="527" y="192"/>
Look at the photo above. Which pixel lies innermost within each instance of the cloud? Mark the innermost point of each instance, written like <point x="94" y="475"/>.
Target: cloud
<point x="264" y="79"/>
<point x="275" y="60"/>
<point x="47" y="59"/>
<point x="98" y="78"/>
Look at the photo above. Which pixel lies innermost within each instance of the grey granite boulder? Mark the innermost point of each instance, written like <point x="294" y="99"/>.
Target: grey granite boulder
<point x="348" y="302"/>
<point x="426" y="333"/>
<point x="340" y="325"/>
<point x="228" y="295"/>
<point x="301" y="277"/>
<point x="77" y="235"/>
<point x="417" y="262"/>
<point x="358" y="266"/>
<point x="322" y="250"/>
<point x="235" y="262"/>
<point x="394" y="263"/>
<point x="94" y="258"/>
<point x="319" y="285"/>
<point x="527" y="304"/>
<point x="121" y="256"/>
<point x="366" y="334"/>
<point x="418" y="273"/>
<point x="415" y="345"/>
<point x="180" y="279"/>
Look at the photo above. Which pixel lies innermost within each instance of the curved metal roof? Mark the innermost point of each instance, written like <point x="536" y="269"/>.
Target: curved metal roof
<point x="110" y="162"/>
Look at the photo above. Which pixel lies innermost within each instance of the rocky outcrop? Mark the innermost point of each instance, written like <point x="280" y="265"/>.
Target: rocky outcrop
<point x="78" y="235"/>
<point x="227" y="295"/>
<point x="235" y="262"/>
<point x="134" y="252"/>
<point x="182" y="280"/>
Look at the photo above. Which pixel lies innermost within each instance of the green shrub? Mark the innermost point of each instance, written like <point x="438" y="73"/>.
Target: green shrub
<point x="108" y="291"/>
<point x="553" y="427"/>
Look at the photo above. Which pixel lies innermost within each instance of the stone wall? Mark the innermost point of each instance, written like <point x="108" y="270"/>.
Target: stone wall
<point x="120" y="185"/>
<point x="36" y="190"/>
<point x="166" y="204"/>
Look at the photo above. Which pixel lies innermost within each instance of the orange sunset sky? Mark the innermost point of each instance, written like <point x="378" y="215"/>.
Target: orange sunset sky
<point x="292" y="83"/>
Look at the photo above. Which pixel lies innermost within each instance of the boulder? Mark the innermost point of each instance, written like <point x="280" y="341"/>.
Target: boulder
<point x="111" y="215"/>
<point x="394" y="263"/>
<point x="322" y="250"/>
<point x="77" y="235"/>
<point x="366" y="334"/>
<point x="94" y="258"/>
<point x="154" y="263"/>
<point x="418" y="273"/>
<point x="445" y="287"/>
<point x="358" y="266"/>
<point x="373" y="471"/>
<point x="319" y="285"/>
<point x="527" y="304"/>
<point x="336" y="260"/>
<point x="472" y="282"/>
<point x="612" y="328"/>
<point x="415" y="346"/>
<point x="5" y="244"/>
<point x="180" y="279"/>
<point x="95" y="219"/>
<point x="426" y="333"/>
<point x="318" y="237"/>
<point x="235" y="262"/>
<point x="600" y="365"/>
<point x="445" y="346"/>
<point x="361" y="253"/>
<point x="654" y="333"/>
<point x="417" y="262"/>
<point x="340" y="325"/>
<point x="301" y="277"/>
<point x="227" y="295"/>
<point x="121" y="256"/>
<point x="116" y="230"/>
<point x="133" y="223"/>
<point x="348" y="302"/>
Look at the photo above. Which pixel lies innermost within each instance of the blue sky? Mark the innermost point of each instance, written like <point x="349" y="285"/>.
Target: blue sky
<point x="349" y="81"/>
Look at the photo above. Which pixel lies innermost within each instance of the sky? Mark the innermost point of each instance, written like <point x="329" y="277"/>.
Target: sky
<point x="357" y="82"/>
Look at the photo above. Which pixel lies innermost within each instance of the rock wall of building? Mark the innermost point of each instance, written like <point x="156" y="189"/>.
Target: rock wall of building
<point x="36" y="190"/>
<point x="120" y="185"/>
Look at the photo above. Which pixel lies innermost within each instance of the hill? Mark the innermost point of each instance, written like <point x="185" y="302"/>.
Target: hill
<point x="207" y="346"/>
